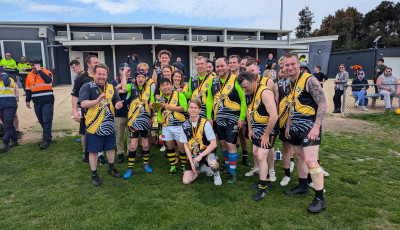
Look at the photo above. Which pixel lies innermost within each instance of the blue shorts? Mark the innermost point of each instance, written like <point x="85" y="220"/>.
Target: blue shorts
<point x="95" y="143"/>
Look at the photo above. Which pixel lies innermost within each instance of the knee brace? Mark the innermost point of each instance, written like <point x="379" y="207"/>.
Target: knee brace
<point x="315" y="170"/>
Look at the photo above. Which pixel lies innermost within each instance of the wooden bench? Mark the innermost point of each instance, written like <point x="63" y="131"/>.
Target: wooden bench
<point x="373" y="96"/>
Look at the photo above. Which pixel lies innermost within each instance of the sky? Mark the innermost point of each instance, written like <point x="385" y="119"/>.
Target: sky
<point x="260" y="14"/>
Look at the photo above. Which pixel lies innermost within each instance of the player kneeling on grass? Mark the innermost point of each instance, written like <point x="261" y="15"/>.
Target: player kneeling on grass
<point x="198" y="138"/>
<point x="262" y="117"/>
<point x="98" y="99"/>
<point x="141" y="97"/>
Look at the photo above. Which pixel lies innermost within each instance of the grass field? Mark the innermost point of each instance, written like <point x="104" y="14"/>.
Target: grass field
<point x="52" y="189"/>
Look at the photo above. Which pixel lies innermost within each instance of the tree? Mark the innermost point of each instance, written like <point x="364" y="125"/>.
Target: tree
<point x="383" y="21"/>
<point x="306" y="21"/>
<point x="345" y="23"/>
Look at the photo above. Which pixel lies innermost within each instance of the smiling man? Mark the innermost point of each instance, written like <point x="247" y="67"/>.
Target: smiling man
<point x="308" y="107"/>
<point x="99" y="101"/>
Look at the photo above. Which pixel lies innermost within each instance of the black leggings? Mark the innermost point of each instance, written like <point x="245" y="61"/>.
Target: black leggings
<point x="337" y="99"/>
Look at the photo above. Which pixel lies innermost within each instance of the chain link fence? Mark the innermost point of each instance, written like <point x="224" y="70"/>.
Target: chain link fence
<point x="373" y="102"/>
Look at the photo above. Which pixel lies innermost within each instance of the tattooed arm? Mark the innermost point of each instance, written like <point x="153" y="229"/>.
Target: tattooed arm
<point x="314" y="88"/>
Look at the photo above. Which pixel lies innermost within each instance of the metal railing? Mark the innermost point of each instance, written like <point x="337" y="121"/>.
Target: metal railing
<point x="373" y="102"/>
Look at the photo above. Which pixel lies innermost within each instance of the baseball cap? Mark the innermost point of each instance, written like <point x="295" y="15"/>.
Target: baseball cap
<point x="122" y="66"/>
<point x="140" y="73"/>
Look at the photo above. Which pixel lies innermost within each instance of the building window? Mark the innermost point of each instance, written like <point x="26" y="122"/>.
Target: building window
<point x="13" y="47"/>
<point x="33" y="50"/>
<point x="29" y="49"/>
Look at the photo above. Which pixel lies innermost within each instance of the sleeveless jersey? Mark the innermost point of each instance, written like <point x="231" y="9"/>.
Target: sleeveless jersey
<point x="199" y="91"/>
<point x="169" y="117"/>
<point x="283" y="106"/>
<point x="258" y="114"/>
<point x="197" y="140"/>
<point x="226" y="104"/>
<point x="139" y="110"/>
<point x="303" y="113"/>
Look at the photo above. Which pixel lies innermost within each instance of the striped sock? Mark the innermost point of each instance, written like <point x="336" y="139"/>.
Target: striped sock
<point x="183" y="158"/>
<point x="146" y="155"/>
<point x="131" y="159"/>
<point x="171" y="156"/>
<point x="233" y="159"/>
<point x="226" y="158"/>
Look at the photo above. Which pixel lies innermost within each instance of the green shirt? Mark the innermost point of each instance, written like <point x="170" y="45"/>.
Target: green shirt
<point x="10" y="64"/>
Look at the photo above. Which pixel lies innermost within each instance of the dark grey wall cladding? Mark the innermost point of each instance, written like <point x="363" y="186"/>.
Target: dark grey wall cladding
<point x="90" y="29"/>
<point x="365" y="58"/>
<point x="143" y="51"/>
<point x="19" y="33"/>
<point x="242" y="33"/>
<point x="241" y="52"/>
<point x="319" y="55"/>
<point x="207" y="32"/>
<point x="107" y="55"/>
<point x="269" y="36"/>
<point x="218" y="50"/>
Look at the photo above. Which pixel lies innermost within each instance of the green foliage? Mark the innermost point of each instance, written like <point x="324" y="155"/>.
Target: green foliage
<point x="51" y="189"/>
<point x="303" y="30"/>
<point x="358" y="32"/>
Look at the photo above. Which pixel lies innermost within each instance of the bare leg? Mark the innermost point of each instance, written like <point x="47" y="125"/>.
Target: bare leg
<point x="311" y="157"/>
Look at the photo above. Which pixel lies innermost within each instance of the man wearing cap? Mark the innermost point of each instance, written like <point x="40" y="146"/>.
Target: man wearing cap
<point x="39" y="89"/>
<point x="8" y="109"/>
<point x="121" y="115"/>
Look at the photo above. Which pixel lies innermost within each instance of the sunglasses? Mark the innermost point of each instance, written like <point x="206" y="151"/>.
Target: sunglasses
<point x="341" y="67"/>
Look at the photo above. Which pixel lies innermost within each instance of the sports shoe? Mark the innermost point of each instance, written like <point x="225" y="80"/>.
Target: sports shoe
<point x="85" y="158"/>
<point x="246" y="161"/>
<point x="316" y="206"/>
<point x="96" y="180"/>
<point x="102" y="160"/>
<point x="207" y="170"/>
<point x="4" y="148"/>
<point x="120" y="159"/>
<point x="259" y="195"/>
<point x="285" y="181"/>
<point x="44" y="145"/>
<point x="364" y="109"/>
<point x="147" y="168"/>
<point x="231" y="179"/>
<point x="224" y="170"/>
<point x="356" y="104"/>
<point x="326" y="174"/>
<point x="114" y="173"/>
<point x="217" y="178"/>
<point x="297" y="191"/>
<point x="268" y="185"/>
<point x="172" y="170"/>
<point x="128" y="173"/>
<point x="13" y="144"/>
<point x="291" y="166"/>
<point x="272" y="176"/>
<point x="252" y="172"/>
<point x="163" y="148"/>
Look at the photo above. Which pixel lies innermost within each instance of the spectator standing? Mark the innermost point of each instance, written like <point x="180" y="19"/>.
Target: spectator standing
<point x="133" y="61"/>
<point x="270" y="72"/>
<point x="39" y="89"/>
<point x="8" y="109"/>
<point x="390" y="87"/>
<point x="341" y="78"/>
<point x="380" y="68"/>
<point x="179" y="65"/>
<point x="321" y="77"/>
<point x="270" y="59"/>
<point x="23" y="69"/>
<point x="121" y="115"/>
<point x="359" y="87"/>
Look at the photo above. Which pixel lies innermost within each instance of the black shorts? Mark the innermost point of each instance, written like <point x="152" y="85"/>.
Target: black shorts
<point x="82" y="126"/>
<point x="135" y="134"/>
<point x="300" y="138"/>
<point x="228" y="133"/>
<point x="203" y="161"/>
<point x="257" y="142"/>
<point x="282" y="135"/>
